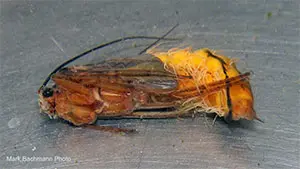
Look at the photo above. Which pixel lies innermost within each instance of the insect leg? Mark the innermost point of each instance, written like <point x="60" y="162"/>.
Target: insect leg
<point x="212" y="87"/>
<point x="159" y="115"/>
<point x="110" y="129"/>
<point x="228" y="118"/>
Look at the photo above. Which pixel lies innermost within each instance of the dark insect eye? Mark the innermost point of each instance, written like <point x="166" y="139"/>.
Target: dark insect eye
<point x="48" y="92"/>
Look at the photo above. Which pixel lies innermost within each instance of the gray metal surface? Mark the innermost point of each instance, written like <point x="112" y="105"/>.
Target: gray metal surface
<point x="37" y="36"/>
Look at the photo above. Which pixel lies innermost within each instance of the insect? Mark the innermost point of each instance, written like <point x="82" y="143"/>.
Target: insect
<point x="180" y="81"/>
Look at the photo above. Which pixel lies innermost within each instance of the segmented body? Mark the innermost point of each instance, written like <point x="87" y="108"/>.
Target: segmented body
<point x="179" y="79"/>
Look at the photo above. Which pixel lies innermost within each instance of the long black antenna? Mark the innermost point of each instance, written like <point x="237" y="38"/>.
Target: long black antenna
<point x="154" y="43"/>
<point x="96" y="48"/>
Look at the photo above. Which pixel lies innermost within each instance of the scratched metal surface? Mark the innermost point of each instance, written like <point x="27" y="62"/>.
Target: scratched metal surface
<point x="264" y="35"/>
